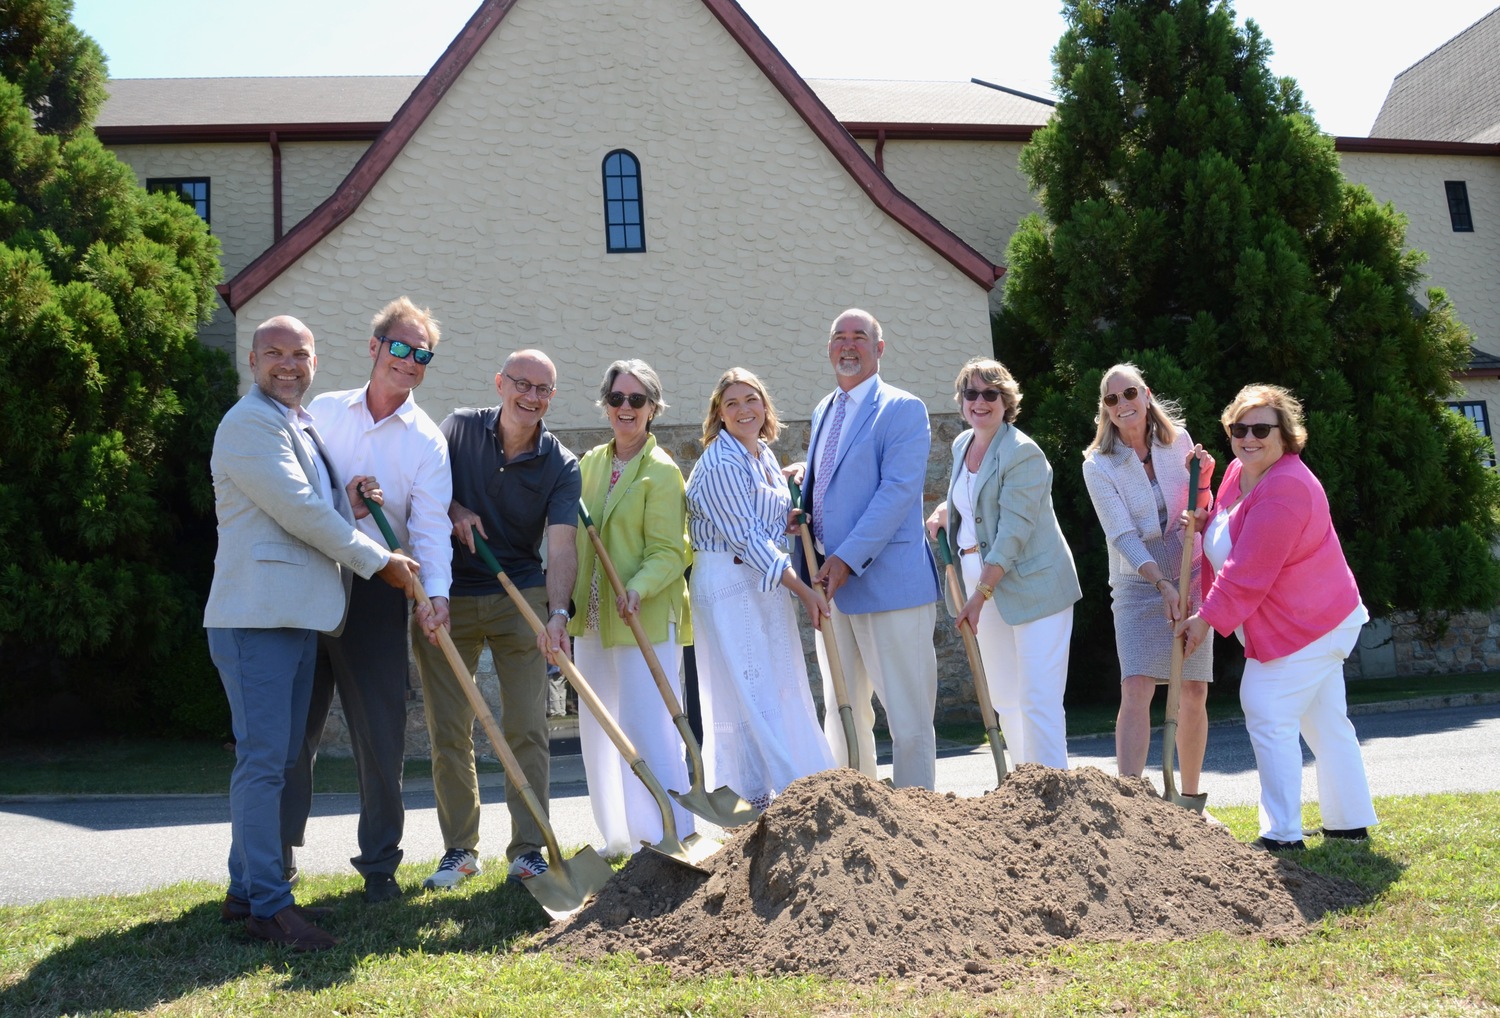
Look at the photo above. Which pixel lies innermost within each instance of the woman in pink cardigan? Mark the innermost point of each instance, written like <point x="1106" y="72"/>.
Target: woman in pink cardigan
<point x="1280" y="583"/>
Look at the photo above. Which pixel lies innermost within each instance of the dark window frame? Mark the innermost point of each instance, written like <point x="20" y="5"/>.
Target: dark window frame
<point x="624" y="211"/>
<point x="1459" y="213"/>
<point x="179" y="185"/>
<point x="1477" y="411"/>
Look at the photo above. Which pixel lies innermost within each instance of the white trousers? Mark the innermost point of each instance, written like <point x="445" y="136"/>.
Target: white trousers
<point x="1027" y="669"/>
<point x="890" y="655"/>
<point x="1304" y="691"/>
<point x="627" y="814"/>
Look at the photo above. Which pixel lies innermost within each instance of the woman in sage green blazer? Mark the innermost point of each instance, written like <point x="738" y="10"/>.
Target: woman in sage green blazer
<point x="634" y="493"/>
<point x="1015" y="564"/>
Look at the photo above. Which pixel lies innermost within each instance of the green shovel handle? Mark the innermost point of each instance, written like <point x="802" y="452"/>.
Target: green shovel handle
<point x="943" y="549"/>
<point x="583" y="514"/>
<point x="378" y="515"/>
<point x="796" y="493"/>
<point x="1193" y="484"/>
<point x="485" y="555"/>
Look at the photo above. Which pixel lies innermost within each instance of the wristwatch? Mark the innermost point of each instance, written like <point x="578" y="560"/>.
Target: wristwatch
<point x="559" y="611"/>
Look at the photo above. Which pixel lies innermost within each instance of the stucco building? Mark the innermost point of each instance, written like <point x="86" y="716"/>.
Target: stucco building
<point x="696" y="203"/>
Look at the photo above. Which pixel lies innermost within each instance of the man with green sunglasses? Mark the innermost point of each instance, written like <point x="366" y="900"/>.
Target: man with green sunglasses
<point x="377" y="435"/>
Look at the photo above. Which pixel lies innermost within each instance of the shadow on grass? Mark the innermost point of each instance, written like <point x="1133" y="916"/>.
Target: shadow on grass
<point x="137" y="965"/>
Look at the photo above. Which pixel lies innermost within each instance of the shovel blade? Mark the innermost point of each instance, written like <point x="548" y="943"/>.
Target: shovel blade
<point x="723" y="807"/>
<point x="1192" y="802"/>
<point x="691" y="851"/>
<point x="569" y="883"/>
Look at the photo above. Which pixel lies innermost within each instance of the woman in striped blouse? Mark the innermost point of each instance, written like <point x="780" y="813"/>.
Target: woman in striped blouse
<point x="760" y="729"/>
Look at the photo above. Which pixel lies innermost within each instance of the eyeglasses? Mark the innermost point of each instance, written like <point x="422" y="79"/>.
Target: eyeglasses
<point x="523" y="387"/>
<point x="988" y="395"/>
<point x="1130" y="392"/>
<point x="401" y="350"/>
<point x="1259" y="430"/>
<point x="635" y="399"/>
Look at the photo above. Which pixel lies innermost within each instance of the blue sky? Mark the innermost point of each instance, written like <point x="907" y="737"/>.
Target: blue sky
<point x="1343" y="55"/>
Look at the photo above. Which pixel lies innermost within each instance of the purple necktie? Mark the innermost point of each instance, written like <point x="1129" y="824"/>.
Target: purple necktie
<point x="825" y="464"/>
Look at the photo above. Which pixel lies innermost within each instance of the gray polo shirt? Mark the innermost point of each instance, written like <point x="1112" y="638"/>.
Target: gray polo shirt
<point x="517" y="500"/>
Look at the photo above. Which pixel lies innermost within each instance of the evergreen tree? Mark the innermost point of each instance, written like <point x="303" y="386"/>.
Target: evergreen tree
<point x="1196" y="222"/>
<point x="107" y="404"/>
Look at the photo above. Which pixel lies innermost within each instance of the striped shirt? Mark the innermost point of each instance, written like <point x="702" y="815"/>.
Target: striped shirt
<point x="739" y="504"/>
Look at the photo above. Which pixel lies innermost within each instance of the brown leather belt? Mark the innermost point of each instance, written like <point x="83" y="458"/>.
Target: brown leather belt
<point x="968" y="551"/>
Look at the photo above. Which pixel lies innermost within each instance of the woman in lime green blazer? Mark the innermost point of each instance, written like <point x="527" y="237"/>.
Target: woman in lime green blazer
<point x="634" y="493"/>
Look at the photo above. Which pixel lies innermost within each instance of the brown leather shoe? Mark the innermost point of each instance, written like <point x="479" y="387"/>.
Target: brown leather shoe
<point x="237" y="910"/>
<point x="289" y="928"/>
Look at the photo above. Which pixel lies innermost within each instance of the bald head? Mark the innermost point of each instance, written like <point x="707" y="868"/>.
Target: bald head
<point x="282" y="360"/>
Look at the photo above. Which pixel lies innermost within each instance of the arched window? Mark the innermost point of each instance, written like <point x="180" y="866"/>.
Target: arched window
<point x="623" y="219"/>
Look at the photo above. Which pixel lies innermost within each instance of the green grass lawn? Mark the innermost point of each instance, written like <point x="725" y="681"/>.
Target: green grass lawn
<point x="1426" y="945"/>
<point x="148" y="767"/>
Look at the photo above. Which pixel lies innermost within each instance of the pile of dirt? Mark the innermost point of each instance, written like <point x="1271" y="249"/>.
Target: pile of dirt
<point x="849" y="878"/>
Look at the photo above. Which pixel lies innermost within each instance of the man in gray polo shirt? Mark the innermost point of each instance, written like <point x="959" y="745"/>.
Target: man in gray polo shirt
<point x="516" y="482"/>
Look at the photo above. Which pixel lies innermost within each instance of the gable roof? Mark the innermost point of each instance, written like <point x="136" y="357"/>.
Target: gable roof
<point x="1451" y="94"/>
<point x="431" y="89"/>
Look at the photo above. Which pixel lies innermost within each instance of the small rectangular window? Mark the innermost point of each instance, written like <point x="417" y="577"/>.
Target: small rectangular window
<point x="1476" y="410"/>
<point x="192" y="190"/>
<point x="1458" y="206"/>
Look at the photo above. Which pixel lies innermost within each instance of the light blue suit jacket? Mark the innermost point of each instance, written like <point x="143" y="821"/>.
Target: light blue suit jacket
<point x="1017" y="526"/>
<point x="282" y="545"/>
<point x="872" y="511"/>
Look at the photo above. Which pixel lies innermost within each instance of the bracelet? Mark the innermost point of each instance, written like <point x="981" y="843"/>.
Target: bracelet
<point x="985" y="590"/>
<point x="1159" y="581"/>
<point x="560" y="611"/>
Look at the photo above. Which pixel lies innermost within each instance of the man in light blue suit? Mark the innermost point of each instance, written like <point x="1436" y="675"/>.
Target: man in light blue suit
<point x="287" y="545"/>
<point x="866" y="465"/>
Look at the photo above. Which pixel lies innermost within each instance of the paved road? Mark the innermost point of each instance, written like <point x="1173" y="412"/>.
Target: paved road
<point x="79" y="847"/>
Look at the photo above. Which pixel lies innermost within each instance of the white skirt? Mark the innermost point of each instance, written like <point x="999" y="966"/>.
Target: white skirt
<point x="760" y="728"/>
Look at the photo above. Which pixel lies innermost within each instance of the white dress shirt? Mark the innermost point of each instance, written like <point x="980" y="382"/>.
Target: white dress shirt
<point x="408" y="456"/>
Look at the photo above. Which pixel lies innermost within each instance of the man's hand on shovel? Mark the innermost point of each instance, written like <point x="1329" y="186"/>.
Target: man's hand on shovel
<point x="401" y="571"/>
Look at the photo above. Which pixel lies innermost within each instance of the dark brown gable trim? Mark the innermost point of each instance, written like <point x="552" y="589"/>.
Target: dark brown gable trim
<point x="372" y="165"/>
<point x="847" y="151"/>
<point x="941" y="132"/>
<point x="280" y="255"/>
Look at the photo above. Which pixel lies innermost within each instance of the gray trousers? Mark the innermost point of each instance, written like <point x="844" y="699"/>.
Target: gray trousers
<point x="367" y="665"/>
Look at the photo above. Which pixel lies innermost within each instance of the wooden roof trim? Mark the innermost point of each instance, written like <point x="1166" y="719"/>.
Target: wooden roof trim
<point x="896" y="131"/>
<point x="372" y="165"/>
<point x="184" y="134"/>
<point x="846" y="150"/>
<point x="1408" y="146"/>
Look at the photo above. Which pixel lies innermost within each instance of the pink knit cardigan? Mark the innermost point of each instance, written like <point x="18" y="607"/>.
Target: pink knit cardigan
<point x="1286" y="579"/>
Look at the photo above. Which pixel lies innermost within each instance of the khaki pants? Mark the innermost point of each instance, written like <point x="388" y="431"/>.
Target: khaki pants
<point x="491" y="619"/>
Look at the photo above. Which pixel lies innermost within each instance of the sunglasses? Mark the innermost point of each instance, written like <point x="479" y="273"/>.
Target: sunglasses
<point x="635" y="399"/>
<point x="988" y="395"/>
<point x="401" y="351"/>
<point x="1259" y="430"/>
<point x="523" y="387"/>
<point x="1129" y="393"/>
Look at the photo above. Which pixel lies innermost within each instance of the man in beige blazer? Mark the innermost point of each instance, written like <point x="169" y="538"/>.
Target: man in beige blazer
<point x="286" y="537"/>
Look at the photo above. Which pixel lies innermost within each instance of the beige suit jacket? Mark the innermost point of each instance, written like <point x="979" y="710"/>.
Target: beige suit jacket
<point x="283" y="547"/>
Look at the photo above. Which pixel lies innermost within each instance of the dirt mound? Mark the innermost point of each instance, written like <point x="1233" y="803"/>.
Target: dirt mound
<point x="849" y="878"/>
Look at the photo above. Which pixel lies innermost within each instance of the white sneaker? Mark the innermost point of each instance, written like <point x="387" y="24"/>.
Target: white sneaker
<point x="457" y="866"/>
<point x="527" y="865"/>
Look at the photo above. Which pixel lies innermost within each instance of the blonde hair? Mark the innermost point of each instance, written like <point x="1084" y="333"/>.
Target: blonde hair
<point x="713" y="422"/>
<point x="996" y="374"/>
<point x="1287" y="407"/>
<point x="402" y="311"/>
<point x="1163" y="417"/>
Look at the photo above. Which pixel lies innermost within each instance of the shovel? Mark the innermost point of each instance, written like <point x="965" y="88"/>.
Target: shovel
<point x="976" y="666"/>
<point x="568" y="883"/>
<point x="1174" y="680"/>
<point x="830" y="645"/>
<point x="723" y="806"/>
<point x="689" y="851"/>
